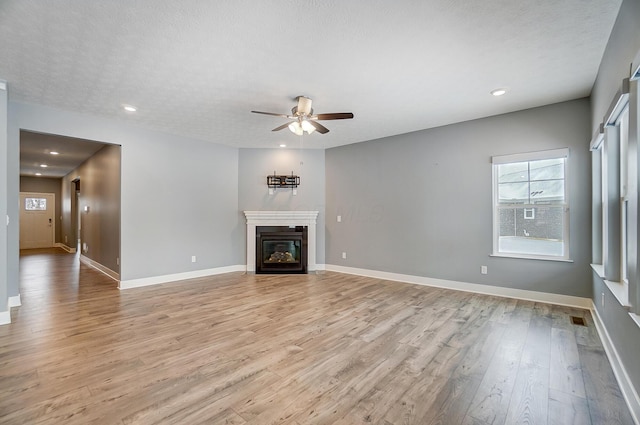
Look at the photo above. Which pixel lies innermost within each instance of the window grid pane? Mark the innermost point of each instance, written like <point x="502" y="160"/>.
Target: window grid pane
<point x="531" y="211"/>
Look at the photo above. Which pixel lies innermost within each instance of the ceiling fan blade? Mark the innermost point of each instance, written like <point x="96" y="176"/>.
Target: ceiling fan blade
<point x="334" y="116"/>
<point x="319" y="127"/>
<point x="271" y="113"/>
<point x="283" y="126"/>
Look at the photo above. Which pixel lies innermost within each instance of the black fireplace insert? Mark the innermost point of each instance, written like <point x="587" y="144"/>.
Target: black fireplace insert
<point x="281" y="249"/>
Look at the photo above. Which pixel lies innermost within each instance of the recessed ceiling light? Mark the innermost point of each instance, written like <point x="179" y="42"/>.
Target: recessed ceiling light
<point x="43" y="165"/>
<point x="129" y="108"/>
<point x="282" y="145"/>
<point x="54" y="153"/>
<point x="498" y="92"/>
<point x="38" y="174"/>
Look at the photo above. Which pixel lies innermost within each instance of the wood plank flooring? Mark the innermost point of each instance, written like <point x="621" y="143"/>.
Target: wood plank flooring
<point x="296" y="349"/>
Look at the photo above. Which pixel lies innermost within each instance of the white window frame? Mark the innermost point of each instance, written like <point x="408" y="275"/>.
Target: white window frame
<point x="614" y="138"/>
<point x="496" y="206"/>
<point x="529" y="213"/>
<point x="622" y="123"/>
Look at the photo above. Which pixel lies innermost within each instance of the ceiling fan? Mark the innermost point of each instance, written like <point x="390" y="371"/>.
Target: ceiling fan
<point x="304" y="120"/>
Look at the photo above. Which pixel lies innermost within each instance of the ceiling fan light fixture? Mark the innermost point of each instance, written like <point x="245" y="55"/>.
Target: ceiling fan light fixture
<point x="302" y="118"/>
<point x="304" y="105"/>
<point x="308" y="127"/>
<point x="296" y="128"/>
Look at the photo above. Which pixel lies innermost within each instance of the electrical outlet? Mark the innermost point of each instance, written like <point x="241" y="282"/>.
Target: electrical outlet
<point x="193" y="258"/>
<point x="344" y="255"/>
<point x="118" y="261"/>
<point x="602" y="299"/>
<point x="483" y="269"/>
<point x="339" y="218"/>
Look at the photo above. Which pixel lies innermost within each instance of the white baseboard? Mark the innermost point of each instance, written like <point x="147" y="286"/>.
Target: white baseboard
<point x="5" y="317"/>
<point x="15" y="301"/>
<point x="66" y="248"/>
<point x="628" y="391"/>
<point x="521" y="294"/>
<point x="89" y="262"/>
<point x="155" y="280"/>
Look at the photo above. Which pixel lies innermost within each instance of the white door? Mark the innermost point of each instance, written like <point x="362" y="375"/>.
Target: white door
<point x="37" y="224"/>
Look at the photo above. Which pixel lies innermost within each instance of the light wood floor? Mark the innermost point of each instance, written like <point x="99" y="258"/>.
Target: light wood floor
<point x="296" y="349"/>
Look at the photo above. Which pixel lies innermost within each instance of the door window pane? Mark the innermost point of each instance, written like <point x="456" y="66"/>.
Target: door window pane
<point x="35" y="204"/>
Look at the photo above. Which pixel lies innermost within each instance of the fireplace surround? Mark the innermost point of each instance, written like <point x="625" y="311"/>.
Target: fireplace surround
<point x="306" y="219"/>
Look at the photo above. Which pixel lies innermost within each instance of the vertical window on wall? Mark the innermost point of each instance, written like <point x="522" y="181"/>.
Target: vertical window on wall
<point x="530" y="205"/>
<point x="617" y="190"/>
<point x="625" y="165"/>
<point x="597" y="210"/>
<point x="602" y="196"/>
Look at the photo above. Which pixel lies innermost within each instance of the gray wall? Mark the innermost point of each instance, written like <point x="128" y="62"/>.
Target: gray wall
<point x="253" y="194"/>
<point x="179" y="196"/>
<point x="623" y="45"/>
<point x="100" y="191"/>
<point x="4" y="164"/>
<point x="421" y="203"/>
<point x="46" y="185"/>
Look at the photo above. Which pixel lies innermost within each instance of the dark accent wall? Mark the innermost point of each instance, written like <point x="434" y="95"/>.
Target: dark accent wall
<point x="46" y="185"/>
<point x="100" y="193"/>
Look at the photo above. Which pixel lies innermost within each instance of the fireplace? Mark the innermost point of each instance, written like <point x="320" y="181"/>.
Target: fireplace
<point x="281" y="249"/>
<point x="288" y="219"/>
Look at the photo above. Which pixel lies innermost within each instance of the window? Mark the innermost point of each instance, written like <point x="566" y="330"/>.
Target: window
<point x="627" y="167"/>
<point x="530" y="208"/>
<point x="529" y="213"/>
<point x="615" y="195"/>
<point x="35" y="204"/>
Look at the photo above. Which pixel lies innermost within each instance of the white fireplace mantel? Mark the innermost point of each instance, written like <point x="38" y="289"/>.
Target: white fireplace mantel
<point x="281" y="218"/>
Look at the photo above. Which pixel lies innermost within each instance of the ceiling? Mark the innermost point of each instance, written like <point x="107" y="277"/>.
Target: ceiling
<point x="197" y="68"/>
<point x="36" y="148"/>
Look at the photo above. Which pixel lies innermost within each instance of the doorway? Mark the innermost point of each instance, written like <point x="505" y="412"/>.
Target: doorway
<point x="37" y="224"/>
<point x="87" y="174"/>
<point x="76" y="217"/>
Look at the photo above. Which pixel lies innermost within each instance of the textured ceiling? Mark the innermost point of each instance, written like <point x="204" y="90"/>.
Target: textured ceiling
<point x="196" y="68"/>
<point x="35" y="150"/>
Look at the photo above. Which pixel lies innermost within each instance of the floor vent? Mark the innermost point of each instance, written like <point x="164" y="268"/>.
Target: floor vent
<point x="578" y="321"/>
